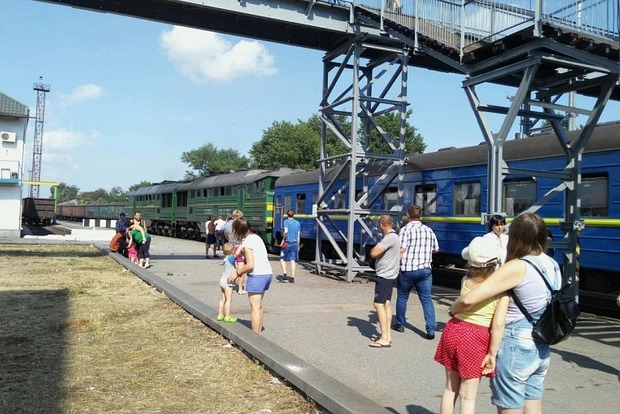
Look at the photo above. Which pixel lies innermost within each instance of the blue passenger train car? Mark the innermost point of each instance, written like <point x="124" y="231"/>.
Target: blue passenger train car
<point x="451" y="186"/>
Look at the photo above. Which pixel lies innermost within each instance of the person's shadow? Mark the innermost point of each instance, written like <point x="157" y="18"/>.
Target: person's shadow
<point x="366" y="328"/>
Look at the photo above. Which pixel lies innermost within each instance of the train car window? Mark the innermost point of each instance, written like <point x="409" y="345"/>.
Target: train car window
<point x="228" y="190"/>
<point x="519" y="195"/>
<point x="182" y="199"/>
<point x="260" y="186"/>
<point x="467" y="199"/>
<point x="235" y="190"/>
<point x="210" y="192"/>
<point x="426" y="197"/>
<point x="287" y="203"/>
<point x="166" y="200"/>
<point x="594" y="196"/>
<point x="315" y="196"/>
<point x="389" y="198"/>
<point x="300" y="206"/>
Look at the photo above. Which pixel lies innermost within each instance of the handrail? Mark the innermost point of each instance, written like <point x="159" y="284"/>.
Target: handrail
<point x="461" y="23"/>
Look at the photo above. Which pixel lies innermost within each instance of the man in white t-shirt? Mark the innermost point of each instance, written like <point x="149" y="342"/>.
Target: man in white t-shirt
<point x="219" y="232"/>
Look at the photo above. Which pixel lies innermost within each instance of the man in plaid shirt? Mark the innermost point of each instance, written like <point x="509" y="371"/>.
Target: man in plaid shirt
<point x="417" y="245"/>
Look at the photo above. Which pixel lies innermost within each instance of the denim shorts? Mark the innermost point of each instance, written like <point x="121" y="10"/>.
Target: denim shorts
<point x="521" y="368"/>
<point x="258" y="283"/>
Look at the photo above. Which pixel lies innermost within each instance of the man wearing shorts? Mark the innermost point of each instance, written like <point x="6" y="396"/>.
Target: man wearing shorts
<point x="289" y="248"/>
<point x="387" y="255"/>
<point x="210" y="225"/>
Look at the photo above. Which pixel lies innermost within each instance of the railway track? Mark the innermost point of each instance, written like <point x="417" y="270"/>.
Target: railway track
<point x="55" y="229"/>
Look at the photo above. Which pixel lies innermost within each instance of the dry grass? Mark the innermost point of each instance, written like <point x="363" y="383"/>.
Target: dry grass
<point x="81" y="334"/>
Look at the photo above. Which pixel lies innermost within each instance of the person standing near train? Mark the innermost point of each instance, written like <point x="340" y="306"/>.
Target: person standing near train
<point x="497" y="225"/>
<point x="210" y="241"/>
<point x="387" y="256"/>
<point x="257" y="268"/>
<point x="417" y="245"/>
<point x="236" y="242"/>
<point x="137" y="232"/>
<point x="522" y="362"/>
<point x="121" y="228"/>
<point x="290" y="247"/>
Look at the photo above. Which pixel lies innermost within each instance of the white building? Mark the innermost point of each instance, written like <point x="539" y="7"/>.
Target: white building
<point x="13" y="123"/>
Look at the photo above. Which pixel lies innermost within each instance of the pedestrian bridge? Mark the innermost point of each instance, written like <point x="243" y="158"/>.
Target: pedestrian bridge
<point x="446" y="35"/>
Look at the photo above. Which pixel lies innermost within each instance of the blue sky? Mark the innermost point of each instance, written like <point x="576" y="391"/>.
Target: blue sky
<point x="129" y="96"/>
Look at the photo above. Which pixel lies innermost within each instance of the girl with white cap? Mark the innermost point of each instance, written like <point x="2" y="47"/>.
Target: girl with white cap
<point x="471" y="339"/>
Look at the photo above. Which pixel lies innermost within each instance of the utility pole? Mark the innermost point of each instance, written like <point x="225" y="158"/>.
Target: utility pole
<point x="37" y="148"/>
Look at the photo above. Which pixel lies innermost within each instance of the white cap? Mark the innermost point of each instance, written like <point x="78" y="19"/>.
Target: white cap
<point x="482" y="252"/>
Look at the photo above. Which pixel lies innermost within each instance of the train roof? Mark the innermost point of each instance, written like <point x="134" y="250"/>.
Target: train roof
<point x="160" y="188"/>
<point x="236" y="178"/>
<point x="606" y="136"/>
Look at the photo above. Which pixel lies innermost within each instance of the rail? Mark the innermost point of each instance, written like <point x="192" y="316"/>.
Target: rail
<point x="460" y="24"/>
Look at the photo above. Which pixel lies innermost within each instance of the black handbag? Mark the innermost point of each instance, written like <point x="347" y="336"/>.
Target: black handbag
<point x="559" y="317"/>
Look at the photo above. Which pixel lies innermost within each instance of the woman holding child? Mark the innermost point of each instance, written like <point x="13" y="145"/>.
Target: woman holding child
<point x="257" y="268"/>
<point x="522" y="363"/>
<point x="138" y="234"/>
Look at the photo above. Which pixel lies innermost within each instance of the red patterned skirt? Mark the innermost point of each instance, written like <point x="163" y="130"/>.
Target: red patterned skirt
<point x="462" y="348"/>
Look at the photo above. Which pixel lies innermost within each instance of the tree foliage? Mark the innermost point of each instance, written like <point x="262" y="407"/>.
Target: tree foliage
<point x="208" y="160"/>
<point x="298" y="145"/>
<point x="65" y="192"/>
<point x="390" y="123"/>
<point x="285" y="144"/>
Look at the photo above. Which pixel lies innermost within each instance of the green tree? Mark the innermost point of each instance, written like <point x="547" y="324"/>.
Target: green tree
<point x="334" y="145"/>
<point x="98" y="196"/>
<point x="390" y="123"/>
<point x="208" y="160"/>
<point x="285" y="144"/>
<point x="66" y="193"/>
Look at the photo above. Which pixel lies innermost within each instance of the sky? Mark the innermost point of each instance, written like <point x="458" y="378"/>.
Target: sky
<point x="129" y="96"/>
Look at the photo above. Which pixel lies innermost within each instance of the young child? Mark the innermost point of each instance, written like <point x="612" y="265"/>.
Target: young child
<point x="470" y="340"/>
<point x="137" y="226"/>
<point x="226" y="288"/>
<point x="132" y="252"/>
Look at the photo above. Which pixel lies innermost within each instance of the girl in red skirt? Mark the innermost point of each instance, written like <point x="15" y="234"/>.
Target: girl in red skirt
<point x="470" y="340"/>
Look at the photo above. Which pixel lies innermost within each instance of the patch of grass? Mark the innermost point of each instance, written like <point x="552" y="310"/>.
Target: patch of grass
<point x="81" y="334"/>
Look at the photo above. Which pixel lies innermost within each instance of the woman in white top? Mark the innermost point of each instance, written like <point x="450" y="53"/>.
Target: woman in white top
<point x="497" y="225"/>
<point x="257" y="268"/>
<point x="522" y="362"/>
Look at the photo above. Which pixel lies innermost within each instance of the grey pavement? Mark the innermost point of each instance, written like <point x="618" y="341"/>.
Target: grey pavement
<point x="327" y="323"/>
<point x="317" y="333"/>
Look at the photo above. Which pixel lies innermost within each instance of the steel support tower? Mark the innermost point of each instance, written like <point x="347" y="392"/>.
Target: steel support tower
<point x="545" y="78"/>
<point x="37" y="147"/>
<point x="355" y="91"/>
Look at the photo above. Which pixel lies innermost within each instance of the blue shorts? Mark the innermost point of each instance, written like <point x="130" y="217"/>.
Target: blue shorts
<point x="521" y="368"/>
<point x="258" y="283"/>
<point x="290" y="253"/>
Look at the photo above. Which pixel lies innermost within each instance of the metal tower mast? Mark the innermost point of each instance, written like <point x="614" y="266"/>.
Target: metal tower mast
<point x="37" y="148"/>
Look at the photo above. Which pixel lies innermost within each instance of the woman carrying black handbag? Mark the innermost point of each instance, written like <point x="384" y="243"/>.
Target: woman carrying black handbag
<point x="522" y="362"/>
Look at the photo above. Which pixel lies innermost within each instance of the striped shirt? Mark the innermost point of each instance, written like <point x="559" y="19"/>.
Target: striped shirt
<point x="418" y="242"/>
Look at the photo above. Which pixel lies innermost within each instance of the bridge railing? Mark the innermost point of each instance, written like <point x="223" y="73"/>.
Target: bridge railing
<point x="462" y="23"/>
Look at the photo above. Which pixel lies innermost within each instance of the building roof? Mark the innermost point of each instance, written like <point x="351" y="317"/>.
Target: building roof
<point x="10" y="107"/>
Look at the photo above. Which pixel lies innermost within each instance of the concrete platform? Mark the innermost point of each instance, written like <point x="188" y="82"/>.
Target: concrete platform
<point x="317" y="333"/>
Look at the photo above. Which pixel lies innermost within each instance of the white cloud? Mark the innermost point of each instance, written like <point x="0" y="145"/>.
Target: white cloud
<point x="80" y="94"/>
<point x="204" y="56"/>
<point x="63" y="139"/>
